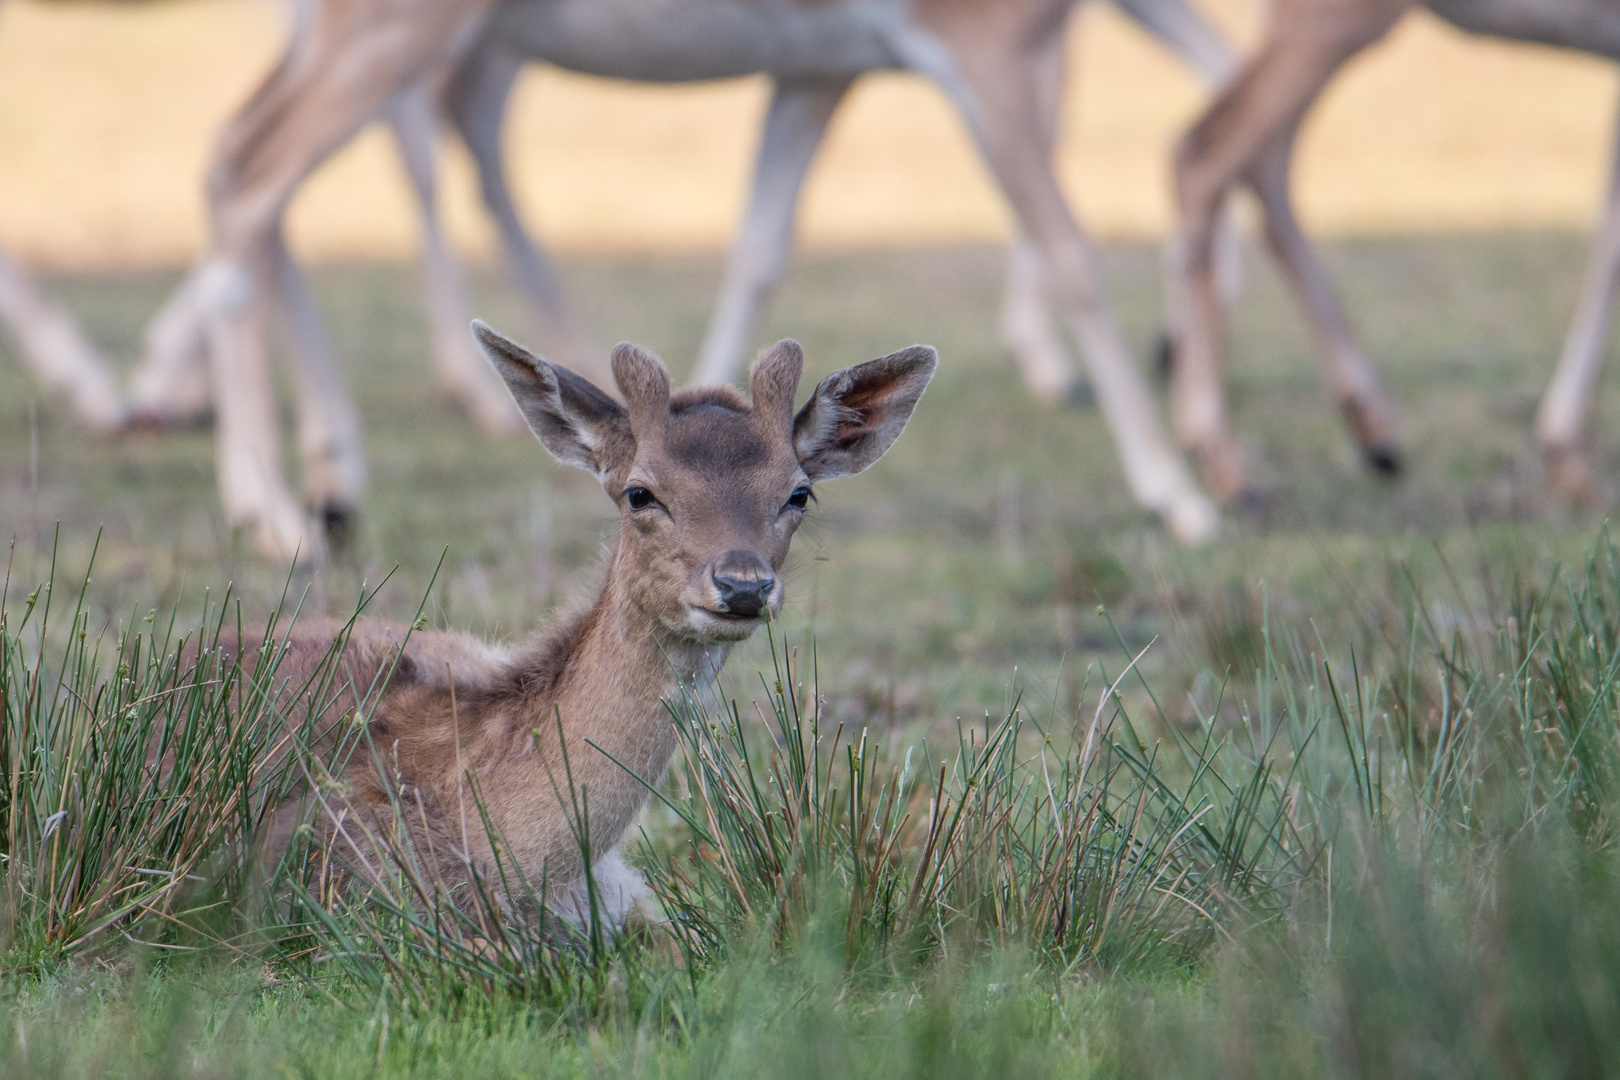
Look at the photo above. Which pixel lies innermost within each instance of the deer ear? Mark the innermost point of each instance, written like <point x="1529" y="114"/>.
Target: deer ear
<point x="578" y="423"/>
<point x="774" y="379"/>
<point x="856" y="414"/>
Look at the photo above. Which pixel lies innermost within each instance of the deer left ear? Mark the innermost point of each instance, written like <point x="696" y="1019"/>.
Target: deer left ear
<point x="856" y="414"/>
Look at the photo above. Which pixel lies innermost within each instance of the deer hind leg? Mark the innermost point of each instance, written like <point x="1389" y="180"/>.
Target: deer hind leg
<point x="475" y="100"/>
<point x="996" y="92"/>
<point x="1566" y="408"/>
<point x="353" y="70"/>
<point x="461" y="371"/>
<point x="794" y="124"/>
<point x="1349" y="372"/>
<point x="169" y="386"/>
<point x="1247" y="135"/>
<point x="51" y="344"/>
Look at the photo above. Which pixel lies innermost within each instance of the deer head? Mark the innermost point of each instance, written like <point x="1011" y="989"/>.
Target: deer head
<point x="710" y="487"/>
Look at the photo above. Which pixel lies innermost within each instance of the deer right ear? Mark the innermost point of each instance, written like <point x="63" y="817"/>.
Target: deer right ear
<point x="578" y="423"/>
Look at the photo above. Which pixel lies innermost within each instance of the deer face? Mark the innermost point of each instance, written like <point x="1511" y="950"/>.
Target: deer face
<point x="710" y="487"/>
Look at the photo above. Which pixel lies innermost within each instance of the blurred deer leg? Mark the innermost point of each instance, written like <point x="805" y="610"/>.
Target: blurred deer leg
<point x="794" y="124"/>
<point x="329" y="442"/>
<point x="169" y="386"/>
<point x="1566" y="408"/>
<point x="1182" y="29"/>
<point x="1349" y="371"/>
<point x="1028" y="328"/>
<point x="475" y="100"/>
<point x="1252" y="121"/>
<point x="997" y="93"/>
<point x="1027" y="324"/>
<point x="51" y="344"/>
<point x="461" y="370"/>
<point x="306" y="111"/>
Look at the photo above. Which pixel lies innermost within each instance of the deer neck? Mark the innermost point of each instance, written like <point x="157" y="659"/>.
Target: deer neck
<point x="604" y="686"/>
<point x="622" y="663"/>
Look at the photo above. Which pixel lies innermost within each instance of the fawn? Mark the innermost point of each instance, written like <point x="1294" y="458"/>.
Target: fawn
<point x="710" y="490"/>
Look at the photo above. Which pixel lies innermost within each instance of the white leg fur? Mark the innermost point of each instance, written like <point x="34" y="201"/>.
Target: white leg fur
<point x="620" y="890"/>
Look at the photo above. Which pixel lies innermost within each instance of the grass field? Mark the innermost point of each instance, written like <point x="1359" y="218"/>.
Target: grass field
<point x="1403" y="697"/>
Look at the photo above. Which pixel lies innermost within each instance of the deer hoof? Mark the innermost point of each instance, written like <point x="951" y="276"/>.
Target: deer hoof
<point x="1223" y="468"/>
<point x="337" y="523"/>
<point x="1569" y="476"/>
<point x="1164" y="355"/>
<point x="1383" y="459"/>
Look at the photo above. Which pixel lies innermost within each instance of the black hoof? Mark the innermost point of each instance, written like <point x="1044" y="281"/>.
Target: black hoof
<point x="338" y="522"/>
<point x="1080" y="396"/>
<point x="1164" y="355"/>
<point x="1383" y="460"/>
<point x="143" y="422"/>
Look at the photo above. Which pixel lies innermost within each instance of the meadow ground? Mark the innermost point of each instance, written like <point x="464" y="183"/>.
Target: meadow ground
<point x="993" y="556"/>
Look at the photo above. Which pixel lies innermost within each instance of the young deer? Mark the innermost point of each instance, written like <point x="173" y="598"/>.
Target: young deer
<point x="710" y="490"/>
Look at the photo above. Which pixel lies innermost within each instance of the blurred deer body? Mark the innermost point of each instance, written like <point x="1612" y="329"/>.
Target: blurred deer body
<point x="703" y="39"/>
<point x="170" y="384"/>
<point x="711" y="489"/>
<point x="995" y="59"/>
<point x="1247" y="136"/>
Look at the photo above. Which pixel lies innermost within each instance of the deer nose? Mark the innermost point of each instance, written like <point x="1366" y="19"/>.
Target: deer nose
<point x="744" y="589"/>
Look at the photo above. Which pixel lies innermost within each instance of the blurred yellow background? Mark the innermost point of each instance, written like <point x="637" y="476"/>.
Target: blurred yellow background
<point x="107" y="114"/>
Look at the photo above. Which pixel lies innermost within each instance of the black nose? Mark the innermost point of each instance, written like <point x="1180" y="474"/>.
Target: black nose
<point x="745" y="596"/>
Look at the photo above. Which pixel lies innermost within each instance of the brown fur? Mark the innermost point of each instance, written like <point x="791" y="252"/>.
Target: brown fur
<point x="565" y="720"/>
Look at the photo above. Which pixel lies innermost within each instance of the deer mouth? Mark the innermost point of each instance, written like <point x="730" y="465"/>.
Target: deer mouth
<point x="734" y="616"/>
<point x="721" y="625"/>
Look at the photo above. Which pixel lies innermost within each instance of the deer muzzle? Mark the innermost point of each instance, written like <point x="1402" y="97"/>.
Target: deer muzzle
<point x="743" y="584"/>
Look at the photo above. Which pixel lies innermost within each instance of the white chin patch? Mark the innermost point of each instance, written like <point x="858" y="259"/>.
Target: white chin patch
<point x="711" y="627"/>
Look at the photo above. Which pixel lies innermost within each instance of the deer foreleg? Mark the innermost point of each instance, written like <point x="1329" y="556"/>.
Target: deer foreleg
<point x="170" y="384"/>
<point x="329" y="441"/>
<point x="1567" y="406"/>
<point x="50" y="342"/>
<point x="794" y="124"/>
<point x="996" y="92"/>
<point x="475" y="99"/>
<point x="461" y="370"/>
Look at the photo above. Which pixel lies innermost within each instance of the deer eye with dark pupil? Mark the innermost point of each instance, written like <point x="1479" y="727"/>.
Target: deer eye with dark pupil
<point x="800" y="498"/>
<point x="639" y="498"/>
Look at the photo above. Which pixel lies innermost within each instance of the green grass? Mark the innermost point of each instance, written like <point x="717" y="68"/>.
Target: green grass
<point x="1352" y="813"/>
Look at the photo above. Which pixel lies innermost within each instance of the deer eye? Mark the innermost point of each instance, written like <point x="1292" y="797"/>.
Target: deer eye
<point x="800" y="498"/>
<point x="639" y="498"/>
